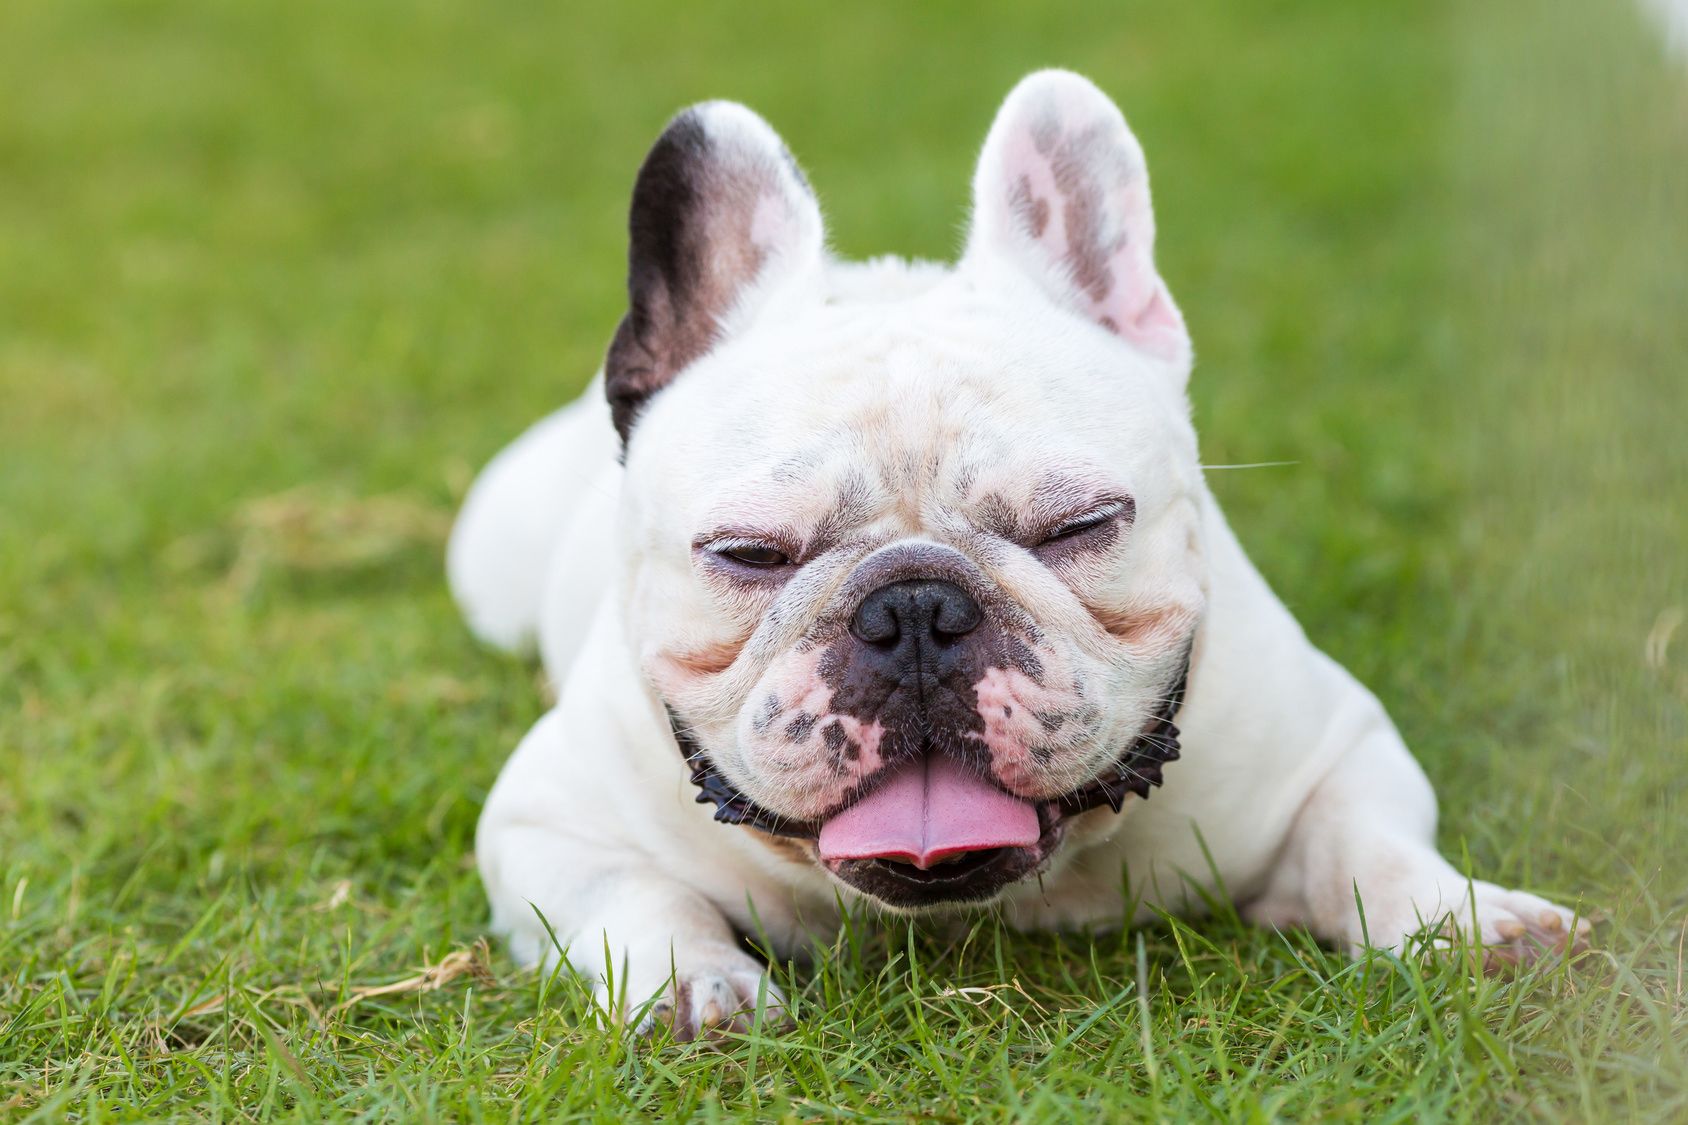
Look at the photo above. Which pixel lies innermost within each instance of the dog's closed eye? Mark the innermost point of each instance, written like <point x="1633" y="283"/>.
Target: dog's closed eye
<point x="746" y="556"/>
<point x="754" y="554"/>
<point x="1094" y="528"/>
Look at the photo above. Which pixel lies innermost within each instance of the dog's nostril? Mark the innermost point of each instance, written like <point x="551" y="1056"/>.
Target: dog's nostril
<point x="876" y="622"/>
<point x="955" y="616"/>
<point x="940" y="610"/>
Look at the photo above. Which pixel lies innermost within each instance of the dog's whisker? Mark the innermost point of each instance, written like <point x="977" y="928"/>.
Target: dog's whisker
<point x="1251" y="465"/>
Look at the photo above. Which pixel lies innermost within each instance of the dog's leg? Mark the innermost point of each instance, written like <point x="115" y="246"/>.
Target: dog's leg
<point x="553" y="851"/>
<point x="1360" y="865"/>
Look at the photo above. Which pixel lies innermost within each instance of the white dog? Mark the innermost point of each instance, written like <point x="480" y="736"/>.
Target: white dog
<point x="889" y="581"/>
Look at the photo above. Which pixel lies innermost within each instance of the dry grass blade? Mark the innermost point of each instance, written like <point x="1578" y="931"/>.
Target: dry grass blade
<point x="980" y="995"/>
<point x="457" y="963"/>
<point x="204" y="1007"/>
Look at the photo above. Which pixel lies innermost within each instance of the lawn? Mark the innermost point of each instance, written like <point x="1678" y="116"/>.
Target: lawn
<point x="275" y="279"/>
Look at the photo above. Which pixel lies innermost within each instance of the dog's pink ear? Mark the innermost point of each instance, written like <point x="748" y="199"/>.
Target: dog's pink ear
<point x="1062" y="194"/>
<point x="721" y="217"/>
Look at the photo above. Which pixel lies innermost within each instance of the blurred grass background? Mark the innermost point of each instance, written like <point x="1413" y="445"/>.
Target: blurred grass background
<point x="275" y="279"/>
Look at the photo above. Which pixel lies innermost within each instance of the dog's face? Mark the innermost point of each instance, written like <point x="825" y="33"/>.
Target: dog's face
<point x="911" y="554"/>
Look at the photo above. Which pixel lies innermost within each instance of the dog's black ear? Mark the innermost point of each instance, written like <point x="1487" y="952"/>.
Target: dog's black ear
<point x="1062" y="195"/>
<point x="721" y="217"/>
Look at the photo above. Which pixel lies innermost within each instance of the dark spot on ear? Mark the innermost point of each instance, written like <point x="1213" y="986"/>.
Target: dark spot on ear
<point x="690" y="253"/>
<point x="1111" y="325"/>
<point x="1085" y="167"/>
<point x="1031" y="210"/>
<point x="799" y="729"/>
<point x="1083" y="213"/>
<point x="661" y="332"/>
<point x="1007" y="711"/>
<point x="1046" y="133"/>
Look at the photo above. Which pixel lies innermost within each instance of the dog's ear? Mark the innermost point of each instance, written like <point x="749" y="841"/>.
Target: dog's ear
<point x="1062" y="194"/>
<point x="721" y="217"/>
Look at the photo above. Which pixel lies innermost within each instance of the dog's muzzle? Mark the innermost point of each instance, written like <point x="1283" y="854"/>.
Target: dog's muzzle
<point x="914" y="626"/>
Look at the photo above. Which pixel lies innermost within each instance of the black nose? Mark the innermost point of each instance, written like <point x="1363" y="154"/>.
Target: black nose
<point x="907" y="615"/>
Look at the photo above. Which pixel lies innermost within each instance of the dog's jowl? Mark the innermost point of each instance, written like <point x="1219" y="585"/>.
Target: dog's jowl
<point x="900" y="582"/>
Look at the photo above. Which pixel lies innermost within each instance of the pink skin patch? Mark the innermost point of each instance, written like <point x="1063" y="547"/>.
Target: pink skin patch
<point x="817" y="759"/>
<point x="1026" y="724"/>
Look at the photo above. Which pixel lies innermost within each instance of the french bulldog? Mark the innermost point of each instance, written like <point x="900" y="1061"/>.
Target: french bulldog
<point x="899" y="583"/>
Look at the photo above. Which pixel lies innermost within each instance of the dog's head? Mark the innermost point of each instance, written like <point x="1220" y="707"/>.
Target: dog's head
<point x="913" y="555"/>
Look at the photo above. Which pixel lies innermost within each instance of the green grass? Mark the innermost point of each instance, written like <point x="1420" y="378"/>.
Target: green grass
<point x="1434" y="253"/>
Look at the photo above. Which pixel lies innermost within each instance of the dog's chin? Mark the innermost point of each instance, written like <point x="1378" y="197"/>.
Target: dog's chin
<point x="970" y="879"/>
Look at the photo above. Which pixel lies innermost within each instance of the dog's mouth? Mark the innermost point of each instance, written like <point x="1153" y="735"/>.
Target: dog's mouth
<point x="934" y="831"/>
<point x="927" y="812"/>
<point x="950" y="877"/>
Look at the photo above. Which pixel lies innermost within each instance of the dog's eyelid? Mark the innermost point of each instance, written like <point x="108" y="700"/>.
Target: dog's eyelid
<point x="748" y="552"/>
<point x="1093" y="517"/>
<point x="721" y="543"/>
<point x="721" y="538"/>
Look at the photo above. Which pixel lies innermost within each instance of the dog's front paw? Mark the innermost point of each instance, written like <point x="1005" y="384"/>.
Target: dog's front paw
<point x="700" y="992"/>
<point x="1514" y="929"/>
<point x="1510" y="929"/>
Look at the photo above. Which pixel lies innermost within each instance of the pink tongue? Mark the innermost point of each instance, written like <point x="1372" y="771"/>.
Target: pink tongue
<point x="928" y="810"/>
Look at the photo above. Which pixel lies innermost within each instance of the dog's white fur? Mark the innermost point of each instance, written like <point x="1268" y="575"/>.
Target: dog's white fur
<point x="1293" y="779"/>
